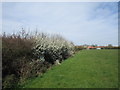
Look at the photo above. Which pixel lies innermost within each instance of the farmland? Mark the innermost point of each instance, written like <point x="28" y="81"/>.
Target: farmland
<point x="86" y="69"/>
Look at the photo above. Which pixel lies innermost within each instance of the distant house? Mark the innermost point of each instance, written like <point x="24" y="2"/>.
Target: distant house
<point x="100" y="47"/>
<point x="96" y="47"/>
<point x="91" y="47"/>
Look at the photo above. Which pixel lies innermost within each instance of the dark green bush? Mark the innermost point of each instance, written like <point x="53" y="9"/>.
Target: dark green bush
<point x="34" y="68"/>
<point x="9" y="81"/>
<point x="77" y="48"/>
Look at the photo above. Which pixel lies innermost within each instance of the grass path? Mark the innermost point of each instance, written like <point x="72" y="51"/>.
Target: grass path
<point x="87" y="69"/>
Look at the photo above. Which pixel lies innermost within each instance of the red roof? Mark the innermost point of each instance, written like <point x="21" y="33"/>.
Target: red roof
<point x="96" y="47"/>
<point x="90" y="47"/>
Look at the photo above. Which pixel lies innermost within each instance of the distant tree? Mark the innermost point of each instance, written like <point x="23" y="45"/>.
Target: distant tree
<point x="109" y="45"/>
<point x="94" y="45"/>
<point x="85" y="45"/>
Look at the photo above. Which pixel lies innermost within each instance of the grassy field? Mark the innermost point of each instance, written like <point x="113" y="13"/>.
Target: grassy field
<point x="87" y="69"/>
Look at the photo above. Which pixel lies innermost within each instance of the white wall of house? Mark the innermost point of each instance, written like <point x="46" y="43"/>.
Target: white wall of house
<point x="98" y="48"/>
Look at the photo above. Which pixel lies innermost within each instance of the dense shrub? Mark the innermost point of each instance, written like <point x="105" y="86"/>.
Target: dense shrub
<point x="26" y="55"/>
<point x="14" y="47"/>
<point x="10" y="81"/>
<point x="33" y="69"/>
<point x="111" y="47"/>
<point x="16" y="52"/>
<point x="52" y="48"/>
<point x="77" y="48"/>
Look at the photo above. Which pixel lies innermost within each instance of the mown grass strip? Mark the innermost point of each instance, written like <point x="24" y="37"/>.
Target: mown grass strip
<point x="87" y="69"/>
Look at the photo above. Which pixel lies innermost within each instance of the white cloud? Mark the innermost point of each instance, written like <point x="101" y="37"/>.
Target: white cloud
<point x="92" y="23"/>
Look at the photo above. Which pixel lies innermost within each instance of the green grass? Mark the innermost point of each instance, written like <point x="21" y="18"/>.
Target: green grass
<point x="87" y="69"/>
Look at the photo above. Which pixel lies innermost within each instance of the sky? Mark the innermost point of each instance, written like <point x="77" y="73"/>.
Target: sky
<point x="80" y="22"/>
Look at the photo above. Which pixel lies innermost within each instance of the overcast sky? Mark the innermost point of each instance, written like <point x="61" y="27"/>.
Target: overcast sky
<point x="81" y="23"/>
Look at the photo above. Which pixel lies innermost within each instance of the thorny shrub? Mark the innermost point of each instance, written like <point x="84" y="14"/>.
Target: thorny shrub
<point x="26" y="55"/>
<point x="52" y="47"/>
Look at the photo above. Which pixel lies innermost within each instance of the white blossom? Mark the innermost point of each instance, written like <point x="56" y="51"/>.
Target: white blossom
<point x="54" y="45"/>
